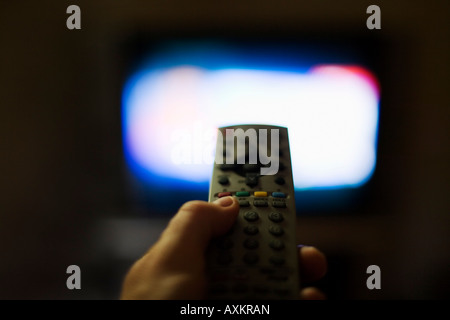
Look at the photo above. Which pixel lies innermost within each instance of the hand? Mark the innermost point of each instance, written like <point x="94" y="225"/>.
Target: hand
<point x="174" y="267"/>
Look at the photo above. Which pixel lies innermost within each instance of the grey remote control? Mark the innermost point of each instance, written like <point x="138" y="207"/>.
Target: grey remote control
<point x="258" y="257"/>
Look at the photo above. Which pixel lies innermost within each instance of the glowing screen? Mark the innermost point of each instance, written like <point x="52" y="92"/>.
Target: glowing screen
<point x="171" y="112"/>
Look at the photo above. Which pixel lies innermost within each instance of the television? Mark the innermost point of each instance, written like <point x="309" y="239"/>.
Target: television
<point x="178" y="90"/>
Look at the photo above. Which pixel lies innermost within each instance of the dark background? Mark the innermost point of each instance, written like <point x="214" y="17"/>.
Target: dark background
<point x="63" y="197"/>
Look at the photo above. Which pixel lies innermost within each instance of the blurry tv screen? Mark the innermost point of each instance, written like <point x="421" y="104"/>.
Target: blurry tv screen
<point x="180" y="92"/>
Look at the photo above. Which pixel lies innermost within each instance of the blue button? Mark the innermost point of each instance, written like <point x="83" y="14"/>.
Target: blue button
<point x="278" y="195"/>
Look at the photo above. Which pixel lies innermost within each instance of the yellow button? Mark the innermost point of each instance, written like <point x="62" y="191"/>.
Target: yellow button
<point x="260" y="194"/>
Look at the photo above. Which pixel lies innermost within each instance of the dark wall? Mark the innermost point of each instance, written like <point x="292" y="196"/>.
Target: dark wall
<point x="63" y="200"/>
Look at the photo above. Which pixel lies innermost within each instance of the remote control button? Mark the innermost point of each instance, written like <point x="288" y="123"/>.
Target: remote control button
<point x="260" y="203"/>
<point x="224" y="180"/>
<point x="242" y="194"/>
<point x="251" y="258"/>
<point x="251" y="216"/>
<point x="280" y="181"/>
<point x="279" y="204"/>
<point x="276" y="230"/>
<point x="278" y="195"/>
<point x="251" y="179"/>
<point x="260" y="194"/>
<point x="276" y="244"/>
<point x="244" y="203"/>
<point x="277" y="260"/>
<point x="267" y="270"/>
<point x="251" y="243"/>
<point x="275" y="216"/>
<point x="251" y="230"/>
<point x="279" y="276"/>
<point x="223" y="194"/>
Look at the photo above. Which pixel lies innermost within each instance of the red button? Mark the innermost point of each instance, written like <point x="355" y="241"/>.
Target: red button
<point x="224" y="194"/>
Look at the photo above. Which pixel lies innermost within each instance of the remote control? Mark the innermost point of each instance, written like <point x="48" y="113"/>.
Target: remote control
<point x="258" y="257"/>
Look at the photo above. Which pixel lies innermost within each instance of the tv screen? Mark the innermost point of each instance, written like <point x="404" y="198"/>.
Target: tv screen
<point x="180" y="91"/>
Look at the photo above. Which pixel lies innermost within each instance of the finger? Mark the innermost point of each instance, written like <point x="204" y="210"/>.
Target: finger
<point x="313" y="264"/>
<point x="311" y="293"/>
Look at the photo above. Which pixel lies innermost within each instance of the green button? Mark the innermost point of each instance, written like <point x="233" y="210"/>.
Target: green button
<point x="242" y="194"/>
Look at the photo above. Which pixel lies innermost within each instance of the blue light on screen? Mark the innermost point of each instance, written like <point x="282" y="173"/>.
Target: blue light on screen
<point x="174" y="104"/>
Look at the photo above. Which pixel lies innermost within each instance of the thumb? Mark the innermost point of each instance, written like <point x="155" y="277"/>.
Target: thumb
<point x="189" y="232"/>
<point x="197" y="222"/>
